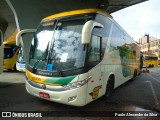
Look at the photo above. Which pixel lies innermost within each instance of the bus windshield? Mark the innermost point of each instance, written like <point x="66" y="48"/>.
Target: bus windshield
<point x="150" y="58"/>
<point x="9" y="52"/>
<point x="57" y="44"/>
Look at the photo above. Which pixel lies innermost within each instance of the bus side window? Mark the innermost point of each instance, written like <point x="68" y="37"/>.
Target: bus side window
<point x="95" y="54"/>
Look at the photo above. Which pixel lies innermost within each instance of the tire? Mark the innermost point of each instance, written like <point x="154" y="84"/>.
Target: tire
<point x="109" y="87"/>
<point x="9" y="70"/>
<point x="139" y="73"/>
<point x="134" y="75"/>
<point x="15" y="69"/>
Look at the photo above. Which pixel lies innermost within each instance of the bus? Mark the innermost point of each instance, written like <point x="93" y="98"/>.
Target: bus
<point x="1" y="52"/>
<point x="20" y="64"/>
<point x="78" y="56"/>
<point x="10" y="56"/>
<point x="150" y="60"/>
<point x="158" y="61"/>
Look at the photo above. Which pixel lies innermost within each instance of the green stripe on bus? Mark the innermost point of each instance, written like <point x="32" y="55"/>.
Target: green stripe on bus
<point x="60" y="80"/>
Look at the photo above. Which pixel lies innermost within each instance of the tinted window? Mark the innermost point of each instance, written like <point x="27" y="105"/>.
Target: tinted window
<point x="8" y="53"/>
<point x="105" y="31"/>
<point x="95" y="49"/>
<point x="106" y="22"/>
<point x="150" y="58"/>
<point x="117" y="37"/>
<point x="122" y="46"/>
<point x="121" y="41"/>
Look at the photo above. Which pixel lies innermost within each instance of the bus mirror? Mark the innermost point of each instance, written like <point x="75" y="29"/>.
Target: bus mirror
<point x="18" y="37"/>
<point x="87" y="30"/>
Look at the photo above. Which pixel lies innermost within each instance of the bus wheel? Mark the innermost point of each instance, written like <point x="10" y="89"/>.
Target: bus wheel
<point x="139" y="73"/>
<point x="15" y="69"/>
<point x="134" y="75"/>
<point x="109" y="87"/>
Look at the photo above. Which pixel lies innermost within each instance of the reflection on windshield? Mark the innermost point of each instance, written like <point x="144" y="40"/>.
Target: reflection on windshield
<point x="44" y="37"/>
<point x="8" y="53"/>
<point x="68" y="50"/>
<point x="65" y="50"/>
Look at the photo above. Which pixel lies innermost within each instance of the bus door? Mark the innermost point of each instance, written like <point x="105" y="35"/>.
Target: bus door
<point x="1" y="52"/>
<point x="96" y="71"/>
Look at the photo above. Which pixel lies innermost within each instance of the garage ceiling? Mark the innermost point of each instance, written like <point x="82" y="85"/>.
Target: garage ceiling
<point x="6" y="15"/>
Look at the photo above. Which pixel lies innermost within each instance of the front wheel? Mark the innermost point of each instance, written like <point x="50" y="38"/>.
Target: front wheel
<point x="134" y="75"/>
<point x="109" y="87"/>
<point x="15" y="68"/>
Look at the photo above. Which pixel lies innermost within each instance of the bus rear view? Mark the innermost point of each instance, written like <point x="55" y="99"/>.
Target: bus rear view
<point x="150" y="60"/>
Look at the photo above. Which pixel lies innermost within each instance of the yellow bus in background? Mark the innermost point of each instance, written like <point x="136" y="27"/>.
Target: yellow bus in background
<point x="10" y="52"/>
<point x="1" y="52"/>
<point x="159" y="61"/>
<point x="10" y="56"/>
<point x="150" y="60"/>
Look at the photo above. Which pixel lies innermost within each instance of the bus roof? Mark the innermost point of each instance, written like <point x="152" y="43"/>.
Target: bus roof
<point x="10" y="45"/>
<point x="149" y="54"/>
<point x="76" y="12"/>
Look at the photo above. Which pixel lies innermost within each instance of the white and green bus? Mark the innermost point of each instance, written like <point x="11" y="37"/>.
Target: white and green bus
<point x="78" y="56"/>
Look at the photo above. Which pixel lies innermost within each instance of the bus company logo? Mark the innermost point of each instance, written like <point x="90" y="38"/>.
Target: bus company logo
<point x="43" y="86"/>
<point x="95" y="92"/>
<point x="45" y="73"/>
<point x="6" y="114"/>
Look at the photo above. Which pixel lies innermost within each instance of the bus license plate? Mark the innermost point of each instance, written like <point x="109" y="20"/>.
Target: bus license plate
<point x="44" y="95"/>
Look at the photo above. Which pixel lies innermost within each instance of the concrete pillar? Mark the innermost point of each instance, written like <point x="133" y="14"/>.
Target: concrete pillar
<point x="10" y="29"/>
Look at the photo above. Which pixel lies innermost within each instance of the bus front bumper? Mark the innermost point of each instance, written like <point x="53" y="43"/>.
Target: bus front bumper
<point x="20" y="67"/>
<point x="75" y="97"/>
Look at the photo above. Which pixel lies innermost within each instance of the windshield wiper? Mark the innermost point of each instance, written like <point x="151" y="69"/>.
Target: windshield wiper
<point x="57" y="67"/>
<point x="34" y="69"/>
<point x="50" y="58"/>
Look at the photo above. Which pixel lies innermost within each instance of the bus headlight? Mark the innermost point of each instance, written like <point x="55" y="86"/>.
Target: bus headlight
<point x="76" y="84"/>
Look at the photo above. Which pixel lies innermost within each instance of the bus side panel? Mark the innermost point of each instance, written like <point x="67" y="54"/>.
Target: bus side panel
<point x="94" y="86"/>
<point x="126" y="49"/>
<point x="114" y="67"/>
<point x="110" y="65"/>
